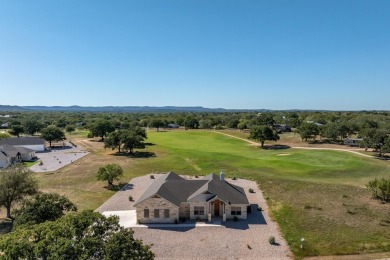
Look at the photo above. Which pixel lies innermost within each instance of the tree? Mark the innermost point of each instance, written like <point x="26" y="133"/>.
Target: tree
<point x="308" y="131"/>
<point x="129" y="139"/>
<point x="102" y="128"/>
<point x="265" y="119"/>
<point x="42" y="207"/>
<point x="84" y="235"/>
<point x="4" y="135"/>
<point x="16" y="130"/>
<point x="330" y="131"/>
<point x="204" y="124"/>
<point x="109" y="173"/>
<point x="156" y="123"/>
<point x="191" y="122"/>
<point x="15" y="183"/>
<point x="114" y="140"/>
<point x="70" y="128"/>
<point x="263" y="133"/>
<point x="53" y="133"/>
<point x="32" y="126"/>
<point x="132" y="140"/>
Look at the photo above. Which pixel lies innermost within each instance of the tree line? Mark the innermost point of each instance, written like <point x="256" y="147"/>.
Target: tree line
<point x="371" y="126"/>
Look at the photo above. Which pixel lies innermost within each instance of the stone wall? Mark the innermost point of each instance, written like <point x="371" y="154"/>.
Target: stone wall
<point x="160" y="204"/>
<point x="200" y="204"/>
<point x="229" y="213"/>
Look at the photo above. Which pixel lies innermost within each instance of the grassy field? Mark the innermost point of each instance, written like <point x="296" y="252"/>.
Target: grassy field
<point x="318" y="195"/>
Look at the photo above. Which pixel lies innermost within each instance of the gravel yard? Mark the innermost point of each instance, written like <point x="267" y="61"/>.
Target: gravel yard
<point x="245" y="239"/>
<point x="57" y="158"/>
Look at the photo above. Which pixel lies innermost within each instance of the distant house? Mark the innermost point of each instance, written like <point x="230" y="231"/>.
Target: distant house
<point x="173" y="126"/>
<point x="280" y="128"/>
<point x="31" y="142"/>
<point x="353" y="141"/>
<point x="4" y="125"/>
<point x="172" y="198"/>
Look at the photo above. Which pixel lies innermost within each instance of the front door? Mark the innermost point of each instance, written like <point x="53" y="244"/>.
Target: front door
<point x="216" y="208"/>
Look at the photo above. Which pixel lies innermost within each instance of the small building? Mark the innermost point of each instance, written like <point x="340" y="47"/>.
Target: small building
<point x="353" y="141"/>
<point x="172" y="198"/>
<point x="31" y="142"/>
<point x="280" y="128"/>
<point x="173" y="126"/>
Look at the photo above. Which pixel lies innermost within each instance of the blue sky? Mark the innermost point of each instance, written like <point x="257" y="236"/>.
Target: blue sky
<point x="232" y="54"/>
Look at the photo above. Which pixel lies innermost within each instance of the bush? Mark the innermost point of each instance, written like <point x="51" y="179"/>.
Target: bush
<point x="152" y="176"/>
<point x="272" y="240"/>
<point x="235" y="218"/>
<point x="251" y="190"/>
<point x="259" y="208"/>
<point x="234" y="178"/>
<point x="131" y="198"/>
<point x="380" y="189"/>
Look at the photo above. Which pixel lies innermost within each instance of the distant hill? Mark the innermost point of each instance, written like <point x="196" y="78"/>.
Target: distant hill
<point x="125" y="109"/>
<point x="12" y="108"/>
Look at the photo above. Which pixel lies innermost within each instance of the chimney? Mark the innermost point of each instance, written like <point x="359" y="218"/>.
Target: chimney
<point x="222" y="176"/>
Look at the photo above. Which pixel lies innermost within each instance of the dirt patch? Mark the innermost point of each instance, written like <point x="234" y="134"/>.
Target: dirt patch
<point x="283" y="154"/>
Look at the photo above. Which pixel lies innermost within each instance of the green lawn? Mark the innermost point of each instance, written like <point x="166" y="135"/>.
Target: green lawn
<point x="318" y="195"/>
<point x="29" y="164"/>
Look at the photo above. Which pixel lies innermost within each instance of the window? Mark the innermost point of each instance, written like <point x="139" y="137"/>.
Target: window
<point x="198" y="210"/>
<point x="156" y="213"/>
<point x="236" y="211"/>
<point x="166" y="213"/>
<point x="146" y="213"/>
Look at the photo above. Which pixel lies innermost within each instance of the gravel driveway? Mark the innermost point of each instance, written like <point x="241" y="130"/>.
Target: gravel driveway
<point x="245" y="239"/>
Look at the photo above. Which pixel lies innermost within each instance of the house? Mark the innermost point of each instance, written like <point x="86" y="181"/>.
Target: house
<point x="5" y="125"/>
<point x="5" y="160"/>
<point x="173" y="126"/>
<point x="11" y="155"/>
<point x="172" y="198"/>
<point x="280" y="128"/>
<point x="31" y="142"/>
<point x="352" y="141"/>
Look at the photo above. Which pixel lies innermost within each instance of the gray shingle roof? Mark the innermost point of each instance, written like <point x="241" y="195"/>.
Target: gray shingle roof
<point x="9" y="150"/>
<point x="176" y="189"/>
<point x="27" y="140"/>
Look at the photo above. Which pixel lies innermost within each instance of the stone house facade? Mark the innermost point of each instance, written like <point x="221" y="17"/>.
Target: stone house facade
<point x="171" y="199"/>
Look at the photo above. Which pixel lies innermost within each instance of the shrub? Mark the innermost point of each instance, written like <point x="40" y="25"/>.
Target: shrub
<point x="259" y="208"/>
<point x="196" y="176"/>
<point x="234" y="178"/>
<point x="235" y="218"/>
<point x="251" y="190"/>
<point x="272" y="240"/>
<point x="131" y="198"/>
<point x="380" y="189"/>
<point x="249" y="247"/>
<point x="152" y="176"/>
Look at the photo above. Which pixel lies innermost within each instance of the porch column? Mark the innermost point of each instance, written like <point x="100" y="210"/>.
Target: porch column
<point x="224" y="213"/>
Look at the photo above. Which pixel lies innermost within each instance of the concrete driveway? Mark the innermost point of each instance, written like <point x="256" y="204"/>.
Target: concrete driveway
<point x="127" y="218"/>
